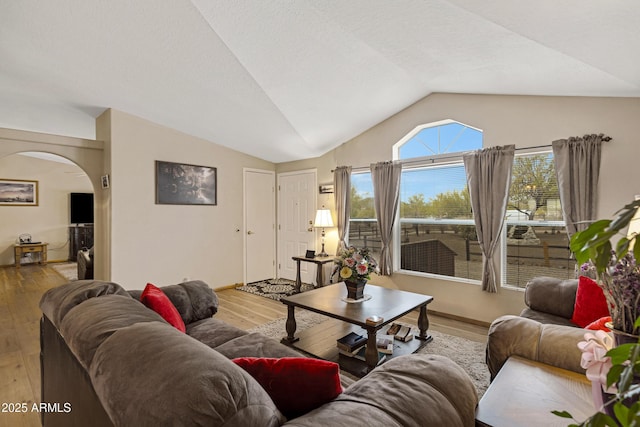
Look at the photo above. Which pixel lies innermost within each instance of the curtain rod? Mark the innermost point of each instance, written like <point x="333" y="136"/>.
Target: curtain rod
<point x="460" y="154"/>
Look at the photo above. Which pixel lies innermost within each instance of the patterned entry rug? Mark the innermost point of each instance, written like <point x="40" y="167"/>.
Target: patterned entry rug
<point x="274" y="288"/>
<point x="466" y="353"/>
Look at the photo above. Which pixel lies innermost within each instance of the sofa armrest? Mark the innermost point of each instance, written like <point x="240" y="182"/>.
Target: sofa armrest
<point x="417" y="390"/>
<point x="555" y="345"/>
<point x="56" y="302"/>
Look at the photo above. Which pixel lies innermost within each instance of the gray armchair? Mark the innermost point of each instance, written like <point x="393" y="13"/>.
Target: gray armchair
<point x="85" y="264"/>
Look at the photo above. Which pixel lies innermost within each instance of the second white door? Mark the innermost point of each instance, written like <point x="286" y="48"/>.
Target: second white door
<point x="296" y="212"/>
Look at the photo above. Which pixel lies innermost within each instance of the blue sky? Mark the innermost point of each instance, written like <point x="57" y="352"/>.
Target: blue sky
<point x="443" y="139"/>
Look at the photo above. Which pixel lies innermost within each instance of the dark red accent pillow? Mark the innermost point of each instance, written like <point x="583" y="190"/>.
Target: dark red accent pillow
<point x="296" y="385"/>
<point x="590" y="304"/>
<point x="600" y="324"/>
<point x="156" y="300"/>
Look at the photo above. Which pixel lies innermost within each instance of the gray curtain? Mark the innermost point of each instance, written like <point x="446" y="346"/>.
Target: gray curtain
<point x="386" y="192"/>
<point x="488" y="177"/>
<point x="342" y="197"/>
<point x="577" y="163"/>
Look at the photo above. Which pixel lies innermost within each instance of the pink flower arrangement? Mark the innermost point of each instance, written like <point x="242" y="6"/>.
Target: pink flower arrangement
<point x="355" y="264"/>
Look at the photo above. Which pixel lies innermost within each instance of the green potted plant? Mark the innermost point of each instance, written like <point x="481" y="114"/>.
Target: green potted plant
<point x="619" y="276"/>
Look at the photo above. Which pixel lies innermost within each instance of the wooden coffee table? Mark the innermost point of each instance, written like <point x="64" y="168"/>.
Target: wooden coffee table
<point x="320" y="340"/>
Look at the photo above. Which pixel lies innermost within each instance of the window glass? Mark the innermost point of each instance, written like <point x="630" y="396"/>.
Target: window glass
<point x="363" y="228"/>
<point x="535" y="234"/>
<point x="434" y="139"/>
<point x="436" y="225"/>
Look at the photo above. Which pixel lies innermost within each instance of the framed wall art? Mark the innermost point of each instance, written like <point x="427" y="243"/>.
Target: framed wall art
<point x="325" y="188"/>
<point x="18" y="192"/>
<point x="183" y="184"/>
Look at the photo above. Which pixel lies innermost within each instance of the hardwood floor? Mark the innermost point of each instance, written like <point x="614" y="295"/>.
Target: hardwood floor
<point x="20" y="293"/>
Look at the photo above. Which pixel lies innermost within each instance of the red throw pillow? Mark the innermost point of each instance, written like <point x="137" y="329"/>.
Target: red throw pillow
<point x="296" y="385"/>
<point x="590" y="304"/>
<point x="600" y="324"/>
<point x="156" y="300"/>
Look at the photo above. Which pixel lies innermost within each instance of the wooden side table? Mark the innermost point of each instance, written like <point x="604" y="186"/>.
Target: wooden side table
<point x="524" y="393"/>
<point x="19" y="250"/>
<point x="319" y="261"/>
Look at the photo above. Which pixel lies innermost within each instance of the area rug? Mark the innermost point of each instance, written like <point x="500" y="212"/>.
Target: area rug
<point x="466" y="353"/>
<point x="68" y="270"/>
<point x="274" y="288"/>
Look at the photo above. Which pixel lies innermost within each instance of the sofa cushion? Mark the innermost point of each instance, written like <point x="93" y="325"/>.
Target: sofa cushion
<point x="193" y="299"/>
<point x="56" y="302"/>
<point x="296" y="384"/>
<point x="542" y="317"/>
<point x="590" y="303"/>
<point x="149" y="374"/>
<point x="255" y="345"/>
<point x="551" y="295"/>
<point x="153" y="298"/>
<point x="87" y="325"/>
<point x="213" y="332"/>
<point x="414" y="390"/>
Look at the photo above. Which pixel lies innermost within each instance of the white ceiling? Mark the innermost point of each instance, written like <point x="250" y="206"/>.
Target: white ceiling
<point x="285" y="80"/>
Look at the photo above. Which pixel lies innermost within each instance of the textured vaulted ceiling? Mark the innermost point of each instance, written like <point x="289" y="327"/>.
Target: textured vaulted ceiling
<point x="285" y="80"/>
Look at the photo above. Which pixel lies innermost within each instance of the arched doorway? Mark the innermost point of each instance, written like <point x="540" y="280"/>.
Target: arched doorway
<point x="89" y="156"/>
<point x="48" y="218"/>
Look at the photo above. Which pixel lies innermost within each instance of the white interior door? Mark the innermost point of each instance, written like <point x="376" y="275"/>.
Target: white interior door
<point x="296" y="212"/>
<point x="260" y="225"/>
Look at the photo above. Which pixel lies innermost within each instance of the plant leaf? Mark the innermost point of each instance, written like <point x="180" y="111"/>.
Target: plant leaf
<point x="563" y="414"/>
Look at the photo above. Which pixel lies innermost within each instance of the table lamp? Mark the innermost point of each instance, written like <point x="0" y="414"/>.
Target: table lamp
<point x="323" y="220"/>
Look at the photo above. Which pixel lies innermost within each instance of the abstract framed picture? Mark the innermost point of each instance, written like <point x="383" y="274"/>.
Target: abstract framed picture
<point x="183" y="184"/>
<point x="18" y="192"/>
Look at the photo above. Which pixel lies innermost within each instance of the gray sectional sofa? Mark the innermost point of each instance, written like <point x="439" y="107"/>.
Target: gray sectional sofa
<point x="116" y="362"/>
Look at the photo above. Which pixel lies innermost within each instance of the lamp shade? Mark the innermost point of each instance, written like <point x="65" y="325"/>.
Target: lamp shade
<point x="323" y="219"/>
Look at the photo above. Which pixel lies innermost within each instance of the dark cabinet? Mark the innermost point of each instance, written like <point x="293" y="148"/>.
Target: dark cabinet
<point x="80" y="237"/>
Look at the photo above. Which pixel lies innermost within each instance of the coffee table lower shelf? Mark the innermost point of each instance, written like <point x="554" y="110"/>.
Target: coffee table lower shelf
<point x="320" y="341"/>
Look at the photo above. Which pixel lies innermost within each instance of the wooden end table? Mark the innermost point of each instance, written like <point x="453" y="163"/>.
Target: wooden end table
<point x="319" y="261"/>
<point x="524" y="393"/>
<point x="19" y="250"/>
<point x="330" y="301"/>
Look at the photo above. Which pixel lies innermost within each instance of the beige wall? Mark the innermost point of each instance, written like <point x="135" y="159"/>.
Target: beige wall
<point x="164" y="244"/>
<point x="49" y="221"/>
<point x="525" y="121"/>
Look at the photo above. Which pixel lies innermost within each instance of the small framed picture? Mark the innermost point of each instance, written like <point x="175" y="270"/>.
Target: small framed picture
<point x="310" y="254"/>
<point x="325" y="188"/>
<point x="105" y="181"/>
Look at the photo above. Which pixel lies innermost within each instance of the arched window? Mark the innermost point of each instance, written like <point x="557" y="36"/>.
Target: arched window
<point x="436" y="223"/>
<point x="435" y="139"/>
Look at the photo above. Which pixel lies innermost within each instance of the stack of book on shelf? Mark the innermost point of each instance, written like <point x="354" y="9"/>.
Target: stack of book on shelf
<point x="351" y="343"/>
<point x="384" y="343"/>
<point x="354" y="345"/>
<point x="400" y="332"/>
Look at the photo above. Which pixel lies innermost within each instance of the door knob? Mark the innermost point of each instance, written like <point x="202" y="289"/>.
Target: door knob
<point x="310" y="229"/>
<point x="249" y="232"/>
